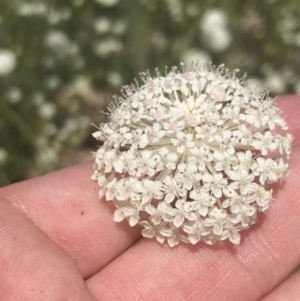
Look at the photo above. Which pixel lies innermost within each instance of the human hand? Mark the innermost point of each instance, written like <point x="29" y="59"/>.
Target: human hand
<point x="58" y="241"/>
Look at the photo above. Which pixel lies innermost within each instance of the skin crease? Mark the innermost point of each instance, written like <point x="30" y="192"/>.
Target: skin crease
<point x="287" y="291"/>
<point x="59" y="242"/>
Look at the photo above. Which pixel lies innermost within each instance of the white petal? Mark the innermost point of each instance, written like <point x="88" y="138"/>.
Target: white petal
<point x="178" y="221"/>
<point x="146" y="198"/>
<point x="118" y="215"/>
<point x="145" y="225"/>
<point x="128" y="211"/>
<point x="218" y="155"/>
<point x="235" y="238"/>
<point x="217" y="229"/>
<point x="160" y="239"/>
<point x="150" y="209"/>
<point x="207" y="177"/>
<point x="188" y="229"/>
<point x="217" y="192"/>
<point x="147" y="233"/>
<point x="173" y="241"/>
<point x="181" y="149"/>
<point x="174" y="141"/>
<point x="119" y="166"/>
<point x="163" y="151"/>
<point x="167" y="232"/>
<point x="155" y="219"/>
<point x="203" y="210"/>
<point x="224" y="235"/>
<point x="172" y="157"/>
<point x="102" y="193"/>
<point x="208" y="222"/>
<point x="194" y="238"/>
<point x="97" y="134"/>
<point x="134" y="219"/>
<point x="169" y="197"/>
<point x="188" y="184"/>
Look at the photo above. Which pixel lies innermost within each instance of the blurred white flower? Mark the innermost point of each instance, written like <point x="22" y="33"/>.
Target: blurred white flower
<point x="56" y="16"/>
<point x="184" y="154"/>
<point x="47" y="157"/>
<point x="28" y="9"/>
<point x="8" y="62"/>
<point x="47" y="110"/>
<point x="119" y="27"/>
<point x="213" y="18"/>
<point x="115" y="79"/>
<point x="70" y="126"/>
<point x="107" y="2"/>
<point x="60" y="44"/>
<point x="102" y="25"/>
<point x="14" y="95"/>
<point x="286" y="27"/>
<point x="38" y="98"/>
<point x="175" y="8"/>
<point x="81" y="85"/>
<point x="52" y="82"/>
<point x="194" y="55"/>
<point x="3" y="155"/>
<point x="107" y="46"/>
<point x="276" y="83"/>
<point x="218" y="39"/>
<point x="56" y="39"/>
<point x="214" y="30"/>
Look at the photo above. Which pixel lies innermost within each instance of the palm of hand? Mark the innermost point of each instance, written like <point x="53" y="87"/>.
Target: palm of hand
<point x="59" y="242"/>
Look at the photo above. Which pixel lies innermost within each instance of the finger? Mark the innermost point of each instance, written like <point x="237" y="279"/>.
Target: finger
<point x="66" y="207"/>
<point x="289" y="290"/>
<point x="268" y="252"/>
<point x="32" y="266"/>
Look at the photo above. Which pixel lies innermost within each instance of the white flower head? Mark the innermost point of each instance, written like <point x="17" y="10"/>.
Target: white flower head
<point x="187" y="155"/>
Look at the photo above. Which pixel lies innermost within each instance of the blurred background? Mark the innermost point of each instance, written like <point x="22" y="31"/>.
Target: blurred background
<point x="61" y="62"/>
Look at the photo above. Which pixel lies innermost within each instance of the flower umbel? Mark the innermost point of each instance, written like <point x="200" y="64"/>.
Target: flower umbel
<point x="187" y="155"/>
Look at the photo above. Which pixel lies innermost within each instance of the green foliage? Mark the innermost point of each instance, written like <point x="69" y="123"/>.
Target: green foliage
<point x="60" y="59"/>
